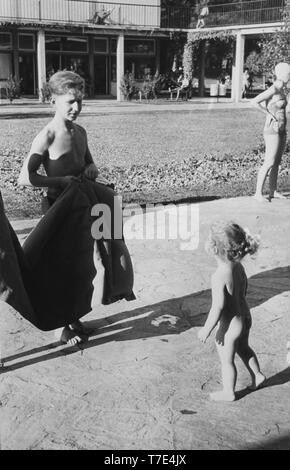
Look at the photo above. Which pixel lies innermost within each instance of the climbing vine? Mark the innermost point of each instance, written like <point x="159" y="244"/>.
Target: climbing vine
<point x="194" y="39"/>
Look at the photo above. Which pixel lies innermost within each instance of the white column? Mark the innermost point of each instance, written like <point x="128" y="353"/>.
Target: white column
<point x="120" y="65"/>
<point x="238" y="68"/>
<point x="41" y="60"/>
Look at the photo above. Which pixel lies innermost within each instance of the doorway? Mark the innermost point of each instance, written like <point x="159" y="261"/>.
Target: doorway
<point x="27" y="73"/>
<point x="101" y="75"/>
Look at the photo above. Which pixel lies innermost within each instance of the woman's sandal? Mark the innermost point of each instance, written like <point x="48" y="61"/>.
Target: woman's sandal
<point x="71" y="337"/>
<point x="80" y="328"/>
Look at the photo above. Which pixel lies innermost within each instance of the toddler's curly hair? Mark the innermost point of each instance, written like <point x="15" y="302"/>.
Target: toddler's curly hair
<point x="230" y="241"/>
<point x="62" y="82"/>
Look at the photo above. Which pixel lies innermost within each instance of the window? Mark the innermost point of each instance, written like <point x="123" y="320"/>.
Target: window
<point x="113" y="69"/>
<point x="140" y="66"/>
<point x="133" y="46"/>
<point x="75" y="44"/>
<point x="66" y="43"/>
<point x="5" y="65"/>
<point x="100" y="45"/>
<point x="26" y="42"/>
<point x="52" y="43"/>
<point x="5" y="41"/>
<point x="113" y="46"/>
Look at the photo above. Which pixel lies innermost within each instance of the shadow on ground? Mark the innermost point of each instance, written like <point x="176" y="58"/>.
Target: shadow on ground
<point x="278" y="443"/>
<point x="40" y="115"/>
<point x="169" y="317"/>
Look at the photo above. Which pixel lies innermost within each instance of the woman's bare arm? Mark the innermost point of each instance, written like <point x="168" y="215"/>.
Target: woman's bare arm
<point x="260" y="101"/>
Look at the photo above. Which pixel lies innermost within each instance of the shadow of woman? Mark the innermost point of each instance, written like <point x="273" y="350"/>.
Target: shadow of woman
<point x="169" y="317"/>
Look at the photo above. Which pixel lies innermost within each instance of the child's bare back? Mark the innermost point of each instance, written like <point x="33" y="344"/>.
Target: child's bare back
<point x="235" y="281"/>
<point x="235" y="314"/>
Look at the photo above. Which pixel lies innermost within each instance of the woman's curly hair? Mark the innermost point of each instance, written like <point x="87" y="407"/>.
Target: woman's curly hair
<point x="230" y="241"/>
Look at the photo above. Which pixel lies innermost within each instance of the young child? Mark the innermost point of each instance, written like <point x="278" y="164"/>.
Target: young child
<point x="229" y="243"/>
<point x="62" y="148"/>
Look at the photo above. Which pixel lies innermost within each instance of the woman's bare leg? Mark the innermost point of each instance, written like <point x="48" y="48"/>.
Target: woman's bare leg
<point x="272" y="143"/>
<point x="274" y="171"/>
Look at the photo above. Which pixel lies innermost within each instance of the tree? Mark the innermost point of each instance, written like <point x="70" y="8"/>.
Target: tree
<point x="276" y="47"/>
<point x="254" y="63"/>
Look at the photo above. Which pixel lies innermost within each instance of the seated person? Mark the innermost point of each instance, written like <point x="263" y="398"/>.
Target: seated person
<point x="184" y="85"/>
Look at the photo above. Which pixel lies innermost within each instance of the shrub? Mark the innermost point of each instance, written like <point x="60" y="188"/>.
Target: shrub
<point x="45" y="93"/>
<point x="128" y="87"/>
<point x="153" y="84"/>
<point x="276" y="47"/>
<point x="13" y="87"/>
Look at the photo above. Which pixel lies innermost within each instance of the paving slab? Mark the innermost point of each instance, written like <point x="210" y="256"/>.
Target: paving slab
<point x="143" y="379"/>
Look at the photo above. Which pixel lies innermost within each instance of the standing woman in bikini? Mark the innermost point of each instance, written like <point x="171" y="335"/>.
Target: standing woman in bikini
<point x="274" y="102"/>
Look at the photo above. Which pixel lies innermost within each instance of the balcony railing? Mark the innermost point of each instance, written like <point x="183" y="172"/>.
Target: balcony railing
<point x="94" y="13"/>
<point x="82" y="12"/>
<point x="225" y="14"/>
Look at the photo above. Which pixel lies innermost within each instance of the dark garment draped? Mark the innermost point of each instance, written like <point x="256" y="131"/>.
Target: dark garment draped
<point x="52" y="276"/>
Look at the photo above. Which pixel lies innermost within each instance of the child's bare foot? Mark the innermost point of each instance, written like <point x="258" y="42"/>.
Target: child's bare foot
<point x="222" y="396"/>
<point x="260" y="198"/>
<point x="70" y="337"/>
<point x="258" y="382"/>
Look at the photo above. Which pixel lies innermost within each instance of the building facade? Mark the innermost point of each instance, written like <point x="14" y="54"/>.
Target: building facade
<point x="103" y="40"/>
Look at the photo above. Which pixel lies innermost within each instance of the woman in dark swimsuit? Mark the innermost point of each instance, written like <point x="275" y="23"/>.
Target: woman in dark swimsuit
<point x="273" y="102"/>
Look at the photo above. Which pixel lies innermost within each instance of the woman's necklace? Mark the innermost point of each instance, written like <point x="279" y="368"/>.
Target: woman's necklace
<point x="71" y="130"/>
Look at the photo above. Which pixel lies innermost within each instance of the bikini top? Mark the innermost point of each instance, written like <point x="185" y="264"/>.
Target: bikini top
<point x="277" y="107"/>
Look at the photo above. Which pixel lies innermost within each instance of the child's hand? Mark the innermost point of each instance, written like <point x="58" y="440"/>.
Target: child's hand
<point x="91" y="171"/>
<point x="202" y="335"/>
<point x="64" y="181"/>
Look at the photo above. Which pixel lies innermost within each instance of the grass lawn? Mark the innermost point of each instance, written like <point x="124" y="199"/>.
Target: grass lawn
<point x="152" y="157"/>
<point x="142" y="137"/>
